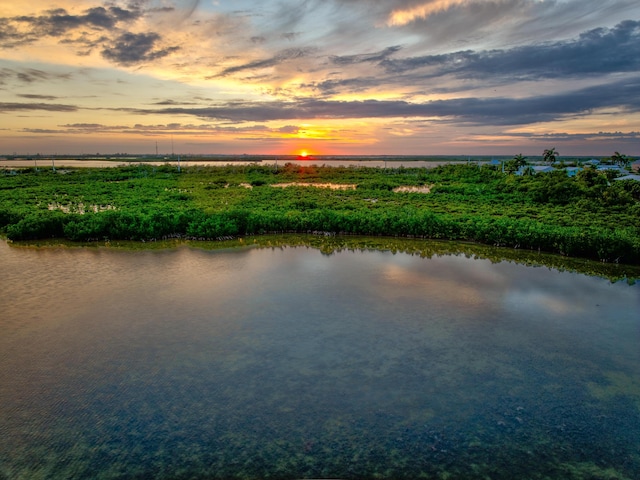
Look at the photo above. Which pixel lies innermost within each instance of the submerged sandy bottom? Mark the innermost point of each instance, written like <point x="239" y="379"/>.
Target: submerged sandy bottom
<point x="292" y="363"/>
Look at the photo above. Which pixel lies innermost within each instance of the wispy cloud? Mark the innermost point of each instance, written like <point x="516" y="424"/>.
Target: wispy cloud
<point x="31" y="75"/>
<point x="280" y="57"/>
<point x="36" y="97"/>
<point x="421" y="11"/>
<point x="599" y="51"/>
<point x="374" y="57"/>
<point x="49" y="107"/>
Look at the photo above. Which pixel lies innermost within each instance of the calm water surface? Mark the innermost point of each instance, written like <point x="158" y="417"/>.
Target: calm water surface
<point x="345" y="162"/>
<point x="287" y="363"/>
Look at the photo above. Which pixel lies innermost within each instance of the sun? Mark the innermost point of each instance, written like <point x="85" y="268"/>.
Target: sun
<point x="304" y="155"/>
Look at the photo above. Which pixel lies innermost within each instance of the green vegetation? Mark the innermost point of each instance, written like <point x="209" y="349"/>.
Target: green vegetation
<point x="550" y="155"/>
<point x="583" y="216"/>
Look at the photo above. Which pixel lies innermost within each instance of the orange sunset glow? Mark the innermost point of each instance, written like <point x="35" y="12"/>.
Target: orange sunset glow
<point x="358" y="77"/>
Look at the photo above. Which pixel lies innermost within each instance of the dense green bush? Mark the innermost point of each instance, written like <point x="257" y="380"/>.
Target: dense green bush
<point x="38" y="225"/>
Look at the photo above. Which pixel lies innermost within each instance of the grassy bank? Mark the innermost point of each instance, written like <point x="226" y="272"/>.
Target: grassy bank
<point x="585" y="216"/>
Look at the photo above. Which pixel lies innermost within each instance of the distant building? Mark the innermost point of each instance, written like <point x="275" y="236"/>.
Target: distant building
<point x="534" y="169"/>
<point x="542" y="169"/>
<point x="615" y="168"/>
<point x="629" y="177"/>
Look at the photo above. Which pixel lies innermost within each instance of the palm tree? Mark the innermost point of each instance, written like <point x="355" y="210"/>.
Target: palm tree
<point x="515" y="164"/>
<point x="550" y="155"/>
<point x="519" y="160"/>
<point x="620" y="159"/>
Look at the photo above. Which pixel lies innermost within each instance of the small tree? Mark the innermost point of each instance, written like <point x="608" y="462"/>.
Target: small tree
<point x="550" y="155"/>
<point x="510" y="167"/>
<point x="528" y="171"/>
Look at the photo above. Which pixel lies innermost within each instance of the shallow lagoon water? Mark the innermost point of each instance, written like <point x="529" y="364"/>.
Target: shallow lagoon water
<point x="290" y="363"/>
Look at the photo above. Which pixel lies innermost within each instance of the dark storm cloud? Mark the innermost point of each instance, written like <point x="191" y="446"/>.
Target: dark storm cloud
<point x="280" y="57"/>
<point x="596" y="52"/>
<point x="480" y="111"/>
<point x="133" y="48"/>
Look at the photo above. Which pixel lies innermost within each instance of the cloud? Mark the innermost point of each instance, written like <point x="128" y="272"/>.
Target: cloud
<point x="41" y="131"/>
<point x="51" y="107"/>
<point x="31" y="76"/>
<point x="596" y="52"/>
<point x="498" y="22"/>
<point x="624" y="95"/>
<point x="133" y="48"/>
<point x="563" y="136"/>
<point x="350" y="84"/>
<point x="10" y="36"/>
<point x="291" y="129"/>
<point x="162" y="130"/>
<point x="280" y="57"/>
<point x="420" y="11"/>
<point x="173" y="102"/>
<point x="365" y="57"/>
<point x="37" y="97"/>
<point x="101" y="26"/>
<point x="58" y="22"/>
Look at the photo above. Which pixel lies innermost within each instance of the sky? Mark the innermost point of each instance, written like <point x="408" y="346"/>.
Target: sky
<point x="328" y="77"/>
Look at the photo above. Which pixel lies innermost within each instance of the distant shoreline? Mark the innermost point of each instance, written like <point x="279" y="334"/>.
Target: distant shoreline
<point x="48" y="163"/>
<point x="376" y="161"/>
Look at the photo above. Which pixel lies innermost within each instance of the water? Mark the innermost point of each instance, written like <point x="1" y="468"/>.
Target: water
<point x="287" y="363"/>
<point x="344" y="162"/>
